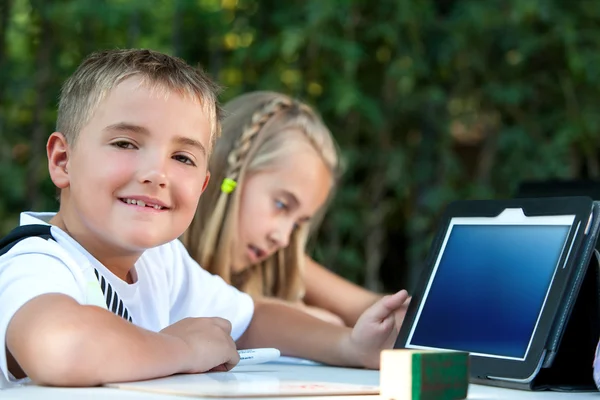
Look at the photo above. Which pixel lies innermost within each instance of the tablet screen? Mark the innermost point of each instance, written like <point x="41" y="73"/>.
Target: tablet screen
<point x="489" y="285"/>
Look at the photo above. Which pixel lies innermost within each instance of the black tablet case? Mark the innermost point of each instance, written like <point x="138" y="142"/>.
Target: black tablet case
<point x="571" y="345"/>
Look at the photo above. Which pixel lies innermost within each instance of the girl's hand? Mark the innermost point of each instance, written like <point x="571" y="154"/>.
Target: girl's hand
<point x="376" y="330"/>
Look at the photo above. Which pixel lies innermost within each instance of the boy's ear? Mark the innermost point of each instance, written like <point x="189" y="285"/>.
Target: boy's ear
<point x="206" y="179"/>
<point x="58" y="153"/>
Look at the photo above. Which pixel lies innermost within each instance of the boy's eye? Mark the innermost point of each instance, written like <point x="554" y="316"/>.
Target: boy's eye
<point x="184" y="159"/>
<point x="123" y="144"/>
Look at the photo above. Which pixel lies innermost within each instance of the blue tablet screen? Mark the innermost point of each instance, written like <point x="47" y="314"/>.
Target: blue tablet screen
<point x="487" y="292"/>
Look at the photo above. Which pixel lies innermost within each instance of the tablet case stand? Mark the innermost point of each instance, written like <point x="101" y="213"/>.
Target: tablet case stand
<point x="568" y="364"/>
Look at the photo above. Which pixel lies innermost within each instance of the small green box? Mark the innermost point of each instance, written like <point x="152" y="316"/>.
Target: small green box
<point x="424" y="375"/>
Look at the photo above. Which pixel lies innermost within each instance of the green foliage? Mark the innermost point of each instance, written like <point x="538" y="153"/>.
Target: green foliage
<point x="430" y="101"/>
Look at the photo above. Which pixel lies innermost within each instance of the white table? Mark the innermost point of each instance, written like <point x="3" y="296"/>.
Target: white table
<point x="283" y="372"/>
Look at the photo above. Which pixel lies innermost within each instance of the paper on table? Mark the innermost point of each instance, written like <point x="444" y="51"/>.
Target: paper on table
<point x="294" y="361"/>
<point x="235" y="384"/>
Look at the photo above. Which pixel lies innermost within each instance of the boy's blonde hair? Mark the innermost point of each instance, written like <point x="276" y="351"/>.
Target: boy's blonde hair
<point x="259" y="130"/>
<point x="100" y="72"/>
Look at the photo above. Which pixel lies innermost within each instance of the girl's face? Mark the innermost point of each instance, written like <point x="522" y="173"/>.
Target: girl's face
<point x="275" y="201"/>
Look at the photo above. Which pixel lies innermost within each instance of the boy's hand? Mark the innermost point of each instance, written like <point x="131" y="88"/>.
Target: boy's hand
<point x="208" y="343"/>
<point x="377" y="329"/>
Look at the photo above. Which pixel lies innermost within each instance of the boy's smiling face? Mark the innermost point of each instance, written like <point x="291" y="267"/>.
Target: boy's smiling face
<point x="134" y="176"/>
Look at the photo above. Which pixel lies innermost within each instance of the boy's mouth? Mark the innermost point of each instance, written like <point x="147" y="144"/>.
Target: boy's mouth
<point x="141" y="203"/>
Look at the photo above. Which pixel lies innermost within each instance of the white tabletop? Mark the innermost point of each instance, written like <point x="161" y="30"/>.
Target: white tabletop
<point x="282" y="372"/>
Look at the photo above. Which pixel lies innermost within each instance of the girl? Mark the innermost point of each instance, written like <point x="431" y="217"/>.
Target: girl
<point x="273" y="170"/>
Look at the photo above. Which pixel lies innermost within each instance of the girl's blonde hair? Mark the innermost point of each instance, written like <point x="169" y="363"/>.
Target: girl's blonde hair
<point x="259" y="130"/>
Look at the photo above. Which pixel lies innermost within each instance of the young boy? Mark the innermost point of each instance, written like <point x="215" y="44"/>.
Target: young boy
<point x="108" y="293"/>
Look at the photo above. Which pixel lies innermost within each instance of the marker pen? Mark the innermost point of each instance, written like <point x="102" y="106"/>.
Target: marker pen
<point x="257" y="356"/>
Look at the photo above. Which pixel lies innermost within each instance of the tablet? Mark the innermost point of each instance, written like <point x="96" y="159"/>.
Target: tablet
<point x="493" y="287"/>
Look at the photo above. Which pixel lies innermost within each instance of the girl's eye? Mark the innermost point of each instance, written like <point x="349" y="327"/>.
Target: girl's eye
<point x="123" y="144"/>
<point x="280" y="205"/>
<point x="184" y="159"/>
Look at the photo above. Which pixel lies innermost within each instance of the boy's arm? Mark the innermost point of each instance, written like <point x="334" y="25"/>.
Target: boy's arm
<point x="57" y="341"/>
<point x="300" y="335"/>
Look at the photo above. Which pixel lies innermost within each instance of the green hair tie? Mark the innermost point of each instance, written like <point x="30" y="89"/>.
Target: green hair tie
<point x="228" y="185"/>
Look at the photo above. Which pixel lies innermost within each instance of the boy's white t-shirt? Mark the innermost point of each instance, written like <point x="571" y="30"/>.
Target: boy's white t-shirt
<point x="170" y="285"/>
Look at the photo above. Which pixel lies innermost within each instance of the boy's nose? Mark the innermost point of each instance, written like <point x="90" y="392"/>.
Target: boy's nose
<point x="153" y="173"/>
<point x="155" y="177"/>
